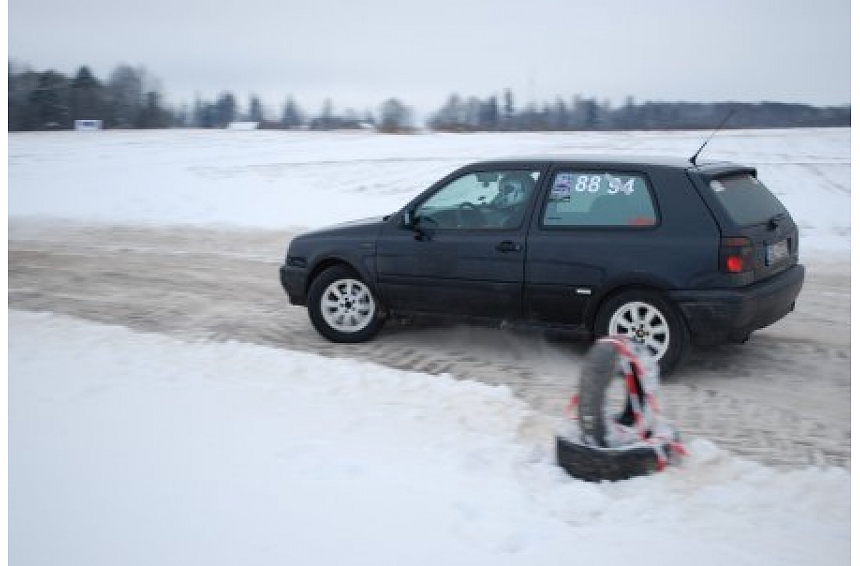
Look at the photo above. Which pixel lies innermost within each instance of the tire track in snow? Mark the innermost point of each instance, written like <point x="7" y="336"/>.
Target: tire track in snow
<point x="782" y="399"/>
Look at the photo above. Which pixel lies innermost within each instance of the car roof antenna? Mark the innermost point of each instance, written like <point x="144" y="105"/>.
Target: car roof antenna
<point x="717" y="129"/>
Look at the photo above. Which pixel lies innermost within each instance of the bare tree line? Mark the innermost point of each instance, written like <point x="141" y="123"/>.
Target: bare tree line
<point x="130" y="98"/>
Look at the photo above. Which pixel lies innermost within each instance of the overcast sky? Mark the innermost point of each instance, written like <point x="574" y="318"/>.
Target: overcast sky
<point x="361" y="52"/>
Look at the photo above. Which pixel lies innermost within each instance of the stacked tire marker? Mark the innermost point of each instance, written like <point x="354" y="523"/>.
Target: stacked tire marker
<point x="606" y="443"/>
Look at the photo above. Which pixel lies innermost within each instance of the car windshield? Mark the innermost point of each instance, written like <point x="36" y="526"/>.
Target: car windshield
<point x="746" y="199"/>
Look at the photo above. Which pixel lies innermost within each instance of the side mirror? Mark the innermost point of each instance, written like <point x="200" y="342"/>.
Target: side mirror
<point x="410" y="221"/>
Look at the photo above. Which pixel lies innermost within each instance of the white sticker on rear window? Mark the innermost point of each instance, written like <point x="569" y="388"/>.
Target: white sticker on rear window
<point x="561" y="188"/>
<point x="618" y="185"/>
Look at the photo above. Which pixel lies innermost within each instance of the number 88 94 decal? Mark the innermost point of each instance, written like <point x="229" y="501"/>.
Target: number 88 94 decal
<point x="593" y="184"/>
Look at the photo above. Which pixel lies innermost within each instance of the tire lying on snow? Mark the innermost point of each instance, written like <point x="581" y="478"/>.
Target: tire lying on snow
<point x="342" y="306"/>
<point x="589" y="452"/>
<point x="605" y="464"/>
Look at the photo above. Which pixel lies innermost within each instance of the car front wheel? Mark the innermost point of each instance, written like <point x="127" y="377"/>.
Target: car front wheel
<point x="649" y="320"/>
<point x="342" y="307"/>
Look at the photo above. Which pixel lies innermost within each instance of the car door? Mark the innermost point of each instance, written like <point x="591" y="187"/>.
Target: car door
<point x="460" y="248"/>
<point x="595" y="224"/>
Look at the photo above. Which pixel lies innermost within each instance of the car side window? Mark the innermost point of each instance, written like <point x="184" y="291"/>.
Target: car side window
<point x="480" y="201"/>
<point x="599" y="198"/>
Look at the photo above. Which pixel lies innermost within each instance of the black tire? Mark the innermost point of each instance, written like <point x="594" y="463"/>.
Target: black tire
<point x="598" y="371"/>
<point x="605" y="464"/>
<point x="339" y="293"/>
<point x="670" y="348"/>
<point x="590" y="458"/>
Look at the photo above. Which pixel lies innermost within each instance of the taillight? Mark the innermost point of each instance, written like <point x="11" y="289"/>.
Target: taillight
<point x="736" y="255"/>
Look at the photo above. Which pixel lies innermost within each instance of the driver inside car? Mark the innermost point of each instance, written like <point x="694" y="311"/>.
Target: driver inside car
<point x="514" y="191"/>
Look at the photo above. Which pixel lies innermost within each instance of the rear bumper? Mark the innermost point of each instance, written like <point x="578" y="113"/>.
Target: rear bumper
<point x="730" y="315"/>
<point x="293" y="282"/>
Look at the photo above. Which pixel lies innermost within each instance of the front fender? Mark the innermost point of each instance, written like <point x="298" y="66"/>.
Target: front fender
<point x="363" y="264"/>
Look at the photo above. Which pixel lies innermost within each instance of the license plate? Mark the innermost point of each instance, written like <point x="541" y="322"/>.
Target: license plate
<point x="777" y="252"/>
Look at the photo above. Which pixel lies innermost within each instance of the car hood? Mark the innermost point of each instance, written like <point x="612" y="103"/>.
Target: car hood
<point x="365" y="226"/>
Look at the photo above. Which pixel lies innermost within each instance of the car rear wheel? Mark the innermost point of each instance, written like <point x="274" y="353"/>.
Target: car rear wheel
<point x="649" y="320"/>
<point x="342" y="307"/>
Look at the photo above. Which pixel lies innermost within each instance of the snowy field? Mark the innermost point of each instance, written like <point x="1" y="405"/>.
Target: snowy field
<point x="135" y="448"/>
<point x="280" y="180"/>
<point x="129" y="448"/>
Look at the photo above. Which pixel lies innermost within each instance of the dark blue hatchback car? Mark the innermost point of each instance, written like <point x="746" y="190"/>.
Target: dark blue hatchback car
<point x="662" y="250"/>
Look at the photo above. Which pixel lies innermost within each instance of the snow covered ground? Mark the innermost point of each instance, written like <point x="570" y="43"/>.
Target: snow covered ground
<point x="283" y="180"/>
<point x="132" y="448"/>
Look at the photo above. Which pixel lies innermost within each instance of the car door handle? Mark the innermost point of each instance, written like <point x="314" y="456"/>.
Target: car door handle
<point x="508" y="246"/>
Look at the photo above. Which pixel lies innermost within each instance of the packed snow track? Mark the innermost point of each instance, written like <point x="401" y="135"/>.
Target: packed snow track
<point x="781" y="399"/>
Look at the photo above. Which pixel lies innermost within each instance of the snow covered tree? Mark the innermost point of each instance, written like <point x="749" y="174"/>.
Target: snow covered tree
<point x="256" y="113"/>
<point x="508" y="110"/>
<point x="22" y="83"/>
<point x="225" y="109"/>
<point x="87" y="97"/>
<point x="152" y="115"/>
<point x="49" y="101"/>
<point x="451" y="117"/>
<point x="489" y="114"/>
<point x="291" y="116"/>
<point x="394" y="116"/>
<point x="326" y="119"/>
<point x="204" y="114"/>
<point x="125" y="95"/>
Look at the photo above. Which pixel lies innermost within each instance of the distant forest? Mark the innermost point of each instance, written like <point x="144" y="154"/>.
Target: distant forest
<point x="130" y="98"/>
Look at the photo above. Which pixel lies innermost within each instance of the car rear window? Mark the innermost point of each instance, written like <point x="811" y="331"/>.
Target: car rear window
<point x="746" y="199"/>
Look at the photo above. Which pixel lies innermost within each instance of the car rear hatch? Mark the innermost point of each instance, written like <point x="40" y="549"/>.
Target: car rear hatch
<point x="759" y="236"/>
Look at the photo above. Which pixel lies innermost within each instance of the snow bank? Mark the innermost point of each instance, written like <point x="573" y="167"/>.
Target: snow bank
<point x="283" y="180"/>
<point x="130" y="448"/>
